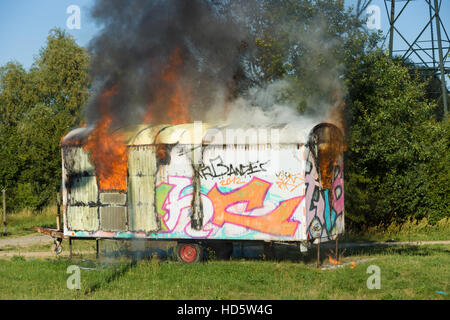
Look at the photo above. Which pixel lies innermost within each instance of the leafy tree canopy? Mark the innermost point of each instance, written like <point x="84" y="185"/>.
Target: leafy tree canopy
<point x="37" y="108"/>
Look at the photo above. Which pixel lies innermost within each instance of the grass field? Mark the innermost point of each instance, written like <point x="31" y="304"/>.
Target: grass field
<point x="22" y="222"/>
<point x="406" y="273"/>
<point x="411" y="230"/>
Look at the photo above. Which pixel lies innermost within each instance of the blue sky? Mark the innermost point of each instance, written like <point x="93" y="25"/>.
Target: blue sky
<point x="24" y="24"/>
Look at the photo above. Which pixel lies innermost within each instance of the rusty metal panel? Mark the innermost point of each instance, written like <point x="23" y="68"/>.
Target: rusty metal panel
<point x="113" y="198"/>
<point x="141" y="189"/>
<point x="113" y="218"/>
<point x="83" y="190"/>
<point x="82" y="181"/>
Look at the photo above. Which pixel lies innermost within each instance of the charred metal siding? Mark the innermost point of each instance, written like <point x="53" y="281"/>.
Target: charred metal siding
<point x="82" y="206"/>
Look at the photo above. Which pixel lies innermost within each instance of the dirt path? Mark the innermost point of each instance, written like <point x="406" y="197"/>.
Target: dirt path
<point x="39" y="254"/>
<point x="383" y="244"/>
<point x="30" y="240"/>
<point x="25" y="241"/>
<point x="36" y="239"/>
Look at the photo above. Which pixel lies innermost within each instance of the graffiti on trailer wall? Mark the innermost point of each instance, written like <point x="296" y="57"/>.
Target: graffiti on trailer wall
<point x="218" y="169"/>
<point x="245" y="209"/>
<point x="250" y="200"/>
<point x="236" y="207"/>
<point x="325" y="207"/>
<point x="289" y="181"/>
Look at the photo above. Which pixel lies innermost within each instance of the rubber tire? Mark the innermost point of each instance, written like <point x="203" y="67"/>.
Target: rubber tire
<point x="188" y="256"/>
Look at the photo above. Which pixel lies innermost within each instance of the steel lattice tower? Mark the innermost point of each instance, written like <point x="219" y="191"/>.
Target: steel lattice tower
<point x="428" y="50"/>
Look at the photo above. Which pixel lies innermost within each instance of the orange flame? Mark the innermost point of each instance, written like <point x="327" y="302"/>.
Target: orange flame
<point x="108" y="152"/>
<point x="329" y="153"/>
<point x="332" y="260"/>
<point x="161" y="152"/>
<point x="174" y="95"/>
<point x="334" y="144"/>
<point x="330" y="147"/>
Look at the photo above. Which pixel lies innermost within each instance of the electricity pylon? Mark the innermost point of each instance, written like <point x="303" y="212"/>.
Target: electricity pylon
<point x="428" y="50"/>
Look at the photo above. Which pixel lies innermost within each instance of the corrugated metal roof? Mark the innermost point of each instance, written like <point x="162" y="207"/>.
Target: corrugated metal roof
<point x="198" y="133"/>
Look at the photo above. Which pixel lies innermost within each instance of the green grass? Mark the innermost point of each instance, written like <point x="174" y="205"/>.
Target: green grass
<point x="22" y="223"/>
<point x="406" y="273"/>
<point x="411" y="230"/>
<point x="80" y="246"/>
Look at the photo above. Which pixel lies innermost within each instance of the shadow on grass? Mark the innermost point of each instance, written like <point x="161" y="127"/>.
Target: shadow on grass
<point x="262" y="252"/>
<point x="280" y="252"/>
<point x="409" y="250"/>
<point x="116" y="271"/>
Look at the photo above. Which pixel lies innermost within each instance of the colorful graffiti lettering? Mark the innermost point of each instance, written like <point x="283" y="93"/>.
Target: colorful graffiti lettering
<point x="324" y="207"/>
<point x="162" y="191"/>
<point x="173" y="207"/>
<point x="217" y="168"/>
<point x="276" y="222"/>
<point x="289" y="181"/>
<point x="230" y="181"/>
<point x="176" y="208"/>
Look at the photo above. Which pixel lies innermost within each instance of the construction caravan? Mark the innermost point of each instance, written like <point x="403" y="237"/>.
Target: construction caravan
<point x="182" y="183"/>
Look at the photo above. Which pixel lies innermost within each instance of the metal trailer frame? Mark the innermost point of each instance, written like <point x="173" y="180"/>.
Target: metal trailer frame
<point x="58" y="237"/>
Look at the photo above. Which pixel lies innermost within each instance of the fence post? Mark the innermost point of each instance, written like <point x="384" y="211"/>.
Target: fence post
<point x="4" y="212"/>
<point x="58" y="212"/>
<point x="318" y="252"/>
<point x="337" y="248"/>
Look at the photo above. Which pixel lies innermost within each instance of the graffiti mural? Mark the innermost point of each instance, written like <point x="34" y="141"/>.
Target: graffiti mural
<point x="276" y="222"/>
<point x="325" y="207"/>
<point x="289" y="181"/>
<point x="174" y="207"/>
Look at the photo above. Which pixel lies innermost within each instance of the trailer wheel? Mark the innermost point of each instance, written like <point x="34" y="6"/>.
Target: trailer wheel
<point x="189" y="252"/>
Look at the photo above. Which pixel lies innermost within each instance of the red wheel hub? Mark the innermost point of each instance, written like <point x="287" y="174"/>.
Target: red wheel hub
<point x="188" y="252"/>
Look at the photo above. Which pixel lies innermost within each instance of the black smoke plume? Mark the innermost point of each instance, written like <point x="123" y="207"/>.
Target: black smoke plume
<point x="135" y="46"/>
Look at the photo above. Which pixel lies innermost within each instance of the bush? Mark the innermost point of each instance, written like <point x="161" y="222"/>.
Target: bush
<point x="397" y="164"/>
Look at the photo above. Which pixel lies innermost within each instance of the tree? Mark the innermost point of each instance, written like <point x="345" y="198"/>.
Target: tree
<point x="397" y="153"/>
<point x="306" y="42"/>
<point x="61" y="74"/>
<point x="397" y="159"/>
<point x="38" y="107"/>
<point x="15" y="102"/>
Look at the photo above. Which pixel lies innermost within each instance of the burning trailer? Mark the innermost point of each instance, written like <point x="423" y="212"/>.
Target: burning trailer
<point x="181" y="183"/>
